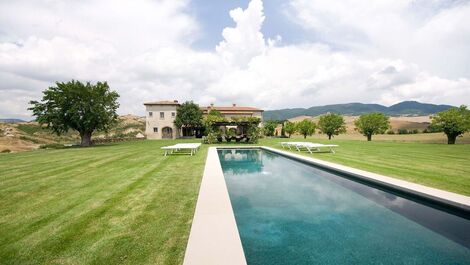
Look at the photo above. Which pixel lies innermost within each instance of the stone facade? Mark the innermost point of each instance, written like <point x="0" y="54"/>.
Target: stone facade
<point x="160" y="116"/>
<point x="159" y="122"/>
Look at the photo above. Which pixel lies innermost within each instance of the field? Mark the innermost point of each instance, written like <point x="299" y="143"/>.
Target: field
<point x="126" y="204"/>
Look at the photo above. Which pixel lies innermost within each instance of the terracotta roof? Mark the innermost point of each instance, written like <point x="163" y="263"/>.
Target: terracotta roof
<point x="233" y="108"/>
<point x="163" y="102"/>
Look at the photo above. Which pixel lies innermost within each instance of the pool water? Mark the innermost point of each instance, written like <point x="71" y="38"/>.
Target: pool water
<point x="288" y="212"/>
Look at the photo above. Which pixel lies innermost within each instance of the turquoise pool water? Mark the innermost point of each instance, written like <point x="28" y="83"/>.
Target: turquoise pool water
<point x="288" y="212"/>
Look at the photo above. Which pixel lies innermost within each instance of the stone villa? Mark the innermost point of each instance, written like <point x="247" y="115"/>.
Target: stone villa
<point x="160" y="116"/>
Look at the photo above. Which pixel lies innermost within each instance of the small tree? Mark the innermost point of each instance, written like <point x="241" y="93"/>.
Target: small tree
<point x="306" y="127"/>
<point x="269" y="127"/>
<point x="372" y="123"/>
<point x="290" y="128"/>
<point x="85" y="108"/>
<point x="189" y="115"/>
<point x="332" y="124"/>
<point x="453" y="122"/>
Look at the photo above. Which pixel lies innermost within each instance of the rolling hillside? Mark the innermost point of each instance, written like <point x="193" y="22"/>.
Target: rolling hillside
<point x="405" y="108"/>
<point x="23" y="136"/>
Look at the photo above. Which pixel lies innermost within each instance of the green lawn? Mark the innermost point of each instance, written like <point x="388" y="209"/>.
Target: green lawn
<point x="127" y="204"/>
<point x="116" y="204"/>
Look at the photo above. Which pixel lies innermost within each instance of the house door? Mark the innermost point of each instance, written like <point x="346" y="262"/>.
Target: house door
<point x="167" y="133"/>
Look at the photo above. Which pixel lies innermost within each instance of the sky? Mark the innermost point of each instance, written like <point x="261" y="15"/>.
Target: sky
<point x="269" y="54"/>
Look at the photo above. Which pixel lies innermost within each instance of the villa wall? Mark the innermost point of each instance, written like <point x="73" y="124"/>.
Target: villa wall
<point x="156" y="125"/>
<point x="154" y="120"/>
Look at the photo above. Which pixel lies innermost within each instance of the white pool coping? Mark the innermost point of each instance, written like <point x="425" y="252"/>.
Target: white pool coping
<point x="214" y="237"/>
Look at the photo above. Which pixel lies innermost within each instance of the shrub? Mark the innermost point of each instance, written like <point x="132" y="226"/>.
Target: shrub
<point x="211" y="137"/>
<point x="254" y="133"/>
<point x="6" y="151"/>
<point x="390" y="132"/>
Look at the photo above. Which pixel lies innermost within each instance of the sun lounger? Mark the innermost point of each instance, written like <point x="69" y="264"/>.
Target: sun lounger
<point x="192" y="147"/>
<point x="291" y="144"/>
<point x="310" y="147"/>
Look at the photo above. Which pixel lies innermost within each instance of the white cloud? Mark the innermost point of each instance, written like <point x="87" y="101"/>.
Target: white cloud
<point x="365" y="53"/>
<point x="433" y="34"/>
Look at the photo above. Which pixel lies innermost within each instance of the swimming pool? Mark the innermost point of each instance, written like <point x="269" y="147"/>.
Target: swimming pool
<point x="288" y="212"/>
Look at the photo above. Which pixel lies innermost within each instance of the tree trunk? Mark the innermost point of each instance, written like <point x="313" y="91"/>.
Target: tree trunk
<point x="305" y="136"/>
<point x="451" y="138"/>
<point x="329" y="136"/>
<point x="369" y="137"/>
<point x="86" y="139"/>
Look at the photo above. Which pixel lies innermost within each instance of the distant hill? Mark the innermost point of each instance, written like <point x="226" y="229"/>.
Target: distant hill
<point x="11" y="120"/>
<point x="406" y="108"/>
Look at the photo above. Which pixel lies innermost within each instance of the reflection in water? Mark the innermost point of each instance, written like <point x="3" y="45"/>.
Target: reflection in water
<point x="239" y="162"/>
<point x="291" y="213"/>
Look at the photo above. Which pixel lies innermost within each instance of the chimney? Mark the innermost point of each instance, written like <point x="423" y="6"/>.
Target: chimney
<point x="234" y="105"/>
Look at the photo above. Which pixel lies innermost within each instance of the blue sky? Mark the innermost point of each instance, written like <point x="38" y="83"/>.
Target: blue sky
<point x="270" y="54"/>
<point x="213" y="18"/>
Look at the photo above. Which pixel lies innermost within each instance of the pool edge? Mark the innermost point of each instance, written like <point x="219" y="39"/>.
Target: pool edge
<point x="214" y="237"/>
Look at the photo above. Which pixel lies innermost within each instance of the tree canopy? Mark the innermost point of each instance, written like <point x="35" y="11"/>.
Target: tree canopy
<point x="269" y="127"/>
<point x="453" y="122"/>
<point x="189" y="115"/>
<point x="306" y="127"/>
<point x="332" y="124"/>
<point x="85" y="108"/>
<point x="372" y="123"/>
<point x="290" y="128"/>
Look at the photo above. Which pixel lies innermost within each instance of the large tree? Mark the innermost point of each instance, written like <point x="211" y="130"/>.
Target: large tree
<point x="372" y="123"/>
<point x="290" y="128"/>
<point x="84" y="107"/>
<point x="453" y="122"/>
<point x="188" y="115"/>
<point x="332" y="124"/>
<point x="306" y="127"/>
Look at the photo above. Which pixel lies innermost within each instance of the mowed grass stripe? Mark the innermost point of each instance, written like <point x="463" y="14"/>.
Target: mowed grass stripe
<point x="79" y="231"/>
<point x="70" y="160"/>
<point x="148" y="162"/>
<point x="77" y="166"/>
<point x="72" y="203"/>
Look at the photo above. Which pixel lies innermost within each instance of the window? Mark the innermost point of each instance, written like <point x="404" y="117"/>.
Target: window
<point x="173" y="114"/>
<point x="150" y="114"/>
<point x="162" y="115"/>
<point x="155" y="129"/>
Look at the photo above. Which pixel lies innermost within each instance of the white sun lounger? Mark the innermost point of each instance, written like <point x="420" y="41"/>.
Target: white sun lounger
<point x="192" y="147"/>
<point x="310" y="147"/>
<point x="291" y="144"/>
